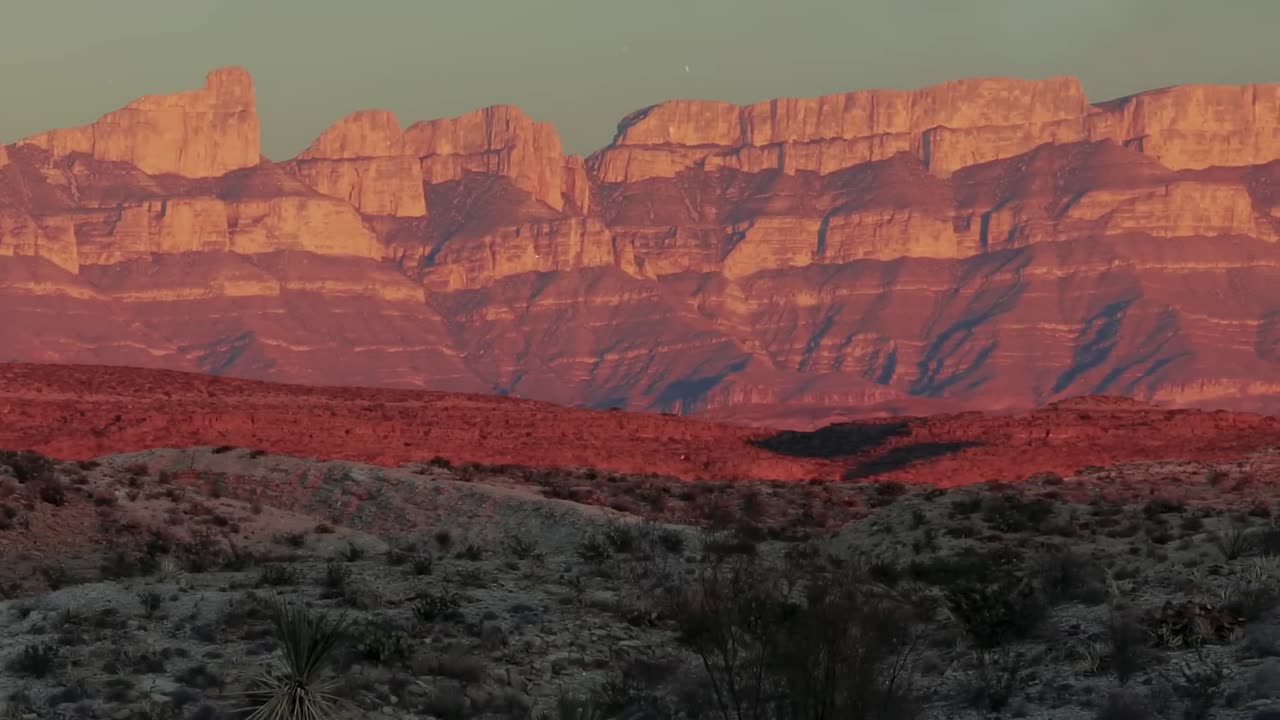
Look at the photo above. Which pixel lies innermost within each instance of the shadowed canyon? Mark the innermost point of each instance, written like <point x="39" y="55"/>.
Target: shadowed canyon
<point x="983" y="244"/>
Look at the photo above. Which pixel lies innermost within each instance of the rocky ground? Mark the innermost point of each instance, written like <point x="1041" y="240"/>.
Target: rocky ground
<point x="139" y="586"/>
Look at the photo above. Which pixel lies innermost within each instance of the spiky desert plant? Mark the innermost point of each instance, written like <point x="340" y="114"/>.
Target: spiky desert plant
<point x="297" y="689"/>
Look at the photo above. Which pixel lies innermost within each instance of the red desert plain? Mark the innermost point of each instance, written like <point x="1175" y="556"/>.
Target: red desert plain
<point x="79" y="412"/>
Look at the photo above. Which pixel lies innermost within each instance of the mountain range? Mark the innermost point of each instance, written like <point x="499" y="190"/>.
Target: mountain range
<point x="985" y="244"/>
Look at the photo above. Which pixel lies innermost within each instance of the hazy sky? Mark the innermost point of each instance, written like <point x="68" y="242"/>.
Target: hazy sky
<point x="583" y="64"/>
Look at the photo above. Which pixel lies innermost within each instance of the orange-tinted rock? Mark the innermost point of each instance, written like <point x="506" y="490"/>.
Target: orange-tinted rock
<point x="577" y="184"/>
<point x="536" y="247"/>
<point x="362" y="134"/>
<point x="499" y="140"/>
<point x="989" y="243"/>
<point x="948" y="126"/>
<point x="361" y="159"/>
<point x="838" y="131"/>
<point x="53" y="239"/>
<point x="1196" y="126"/>
<point x="197" y="133"/>
<point x="319" y="225"/>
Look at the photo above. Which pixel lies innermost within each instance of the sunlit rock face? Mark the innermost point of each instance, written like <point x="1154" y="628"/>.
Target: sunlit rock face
<point x="987" y="243"/>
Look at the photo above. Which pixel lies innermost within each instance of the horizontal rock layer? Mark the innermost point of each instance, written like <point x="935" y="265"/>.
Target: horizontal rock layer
<point x="989" y="243"/>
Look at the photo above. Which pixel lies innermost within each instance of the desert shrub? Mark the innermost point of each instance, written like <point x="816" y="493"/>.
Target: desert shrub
<point x="594" y="549"/>
<point x="52" y="491"/>
<point x="1122" y="705"/>
<point x="521" y="546"/>
<point x="637" y="689"/>
<point x="724" y="542"/>
<point x="996" y="676"/>
<point x="336" y="576"/>
<point x="120" y="564"/>
<point x="1236" y="541"/>
<point x="1069" y="576"/>
<point x="1201" y="687"/>
<point x="978" y="567"/>
<point x="884" y="494"/>
<point x="27" y="467"/>
<point x="671" y="540"/>
<point x="352" y="552"/>
<point x="150" y="600"/>
<point x="35" y="661"/>
<point x="396" y="557"/>
<point x="383" y="644"/>
<point x="293" y="539"/>
<point x="622" y="537"/>
<point x="1191" y="624"/>
<point x="997" y="613"/>
<point x="454" y="663"/>
<point x="841" y="650"/>
<point x="1127" y="642"/>
<point x="966" y="505"/>
<point x="276" y="576"/>
<point x="1255" y="590"/>
<point x="431" y="606"/>
<point x="200" y="676"/>
<point x="1158" y="506"/>
<point x="472" y="551"/>
<point x="1011" y="513"/>
<point x="362" y="594"/>
<point x="57" y="576"/>
<point x="1262" y="639"/>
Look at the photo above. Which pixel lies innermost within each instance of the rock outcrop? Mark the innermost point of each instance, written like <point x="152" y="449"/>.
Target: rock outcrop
<point x="197" y="133"/>
<point x="990" y="243"/>
<point x="362" y="159"/>
<point x="947" y="127"/>
<point x="501" y="141"/>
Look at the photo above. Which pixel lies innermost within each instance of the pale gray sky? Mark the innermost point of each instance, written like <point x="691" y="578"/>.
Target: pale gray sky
<point x="583" y="64"/>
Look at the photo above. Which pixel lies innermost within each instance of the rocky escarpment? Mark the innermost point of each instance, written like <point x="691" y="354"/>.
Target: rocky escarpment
<point x="988" y="242"/>
<point x="362" y="159"/>
<point x="945" y="127"/>
<point x="197" y="133"/>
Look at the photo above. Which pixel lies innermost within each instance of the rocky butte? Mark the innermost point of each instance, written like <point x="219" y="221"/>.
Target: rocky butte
<point x="985" y="243"/>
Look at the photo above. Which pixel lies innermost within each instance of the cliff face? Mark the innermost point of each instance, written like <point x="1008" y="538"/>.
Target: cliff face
<point x="197" y="133"/>
<point x="946" y="127"/>
<point x="361" y="159"/>
<point x="989" y="243"/>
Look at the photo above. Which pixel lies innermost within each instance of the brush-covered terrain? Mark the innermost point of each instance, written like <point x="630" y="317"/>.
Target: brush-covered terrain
<point x="180" y="584"/>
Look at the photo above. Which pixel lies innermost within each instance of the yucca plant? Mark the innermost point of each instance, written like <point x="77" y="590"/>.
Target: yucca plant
<point x="297" y="689"/>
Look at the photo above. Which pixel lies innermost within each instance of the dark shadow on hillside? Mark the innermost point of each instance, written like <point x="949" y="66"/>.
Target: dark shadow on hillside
<point x="899" y="458"/>
<point x="833" y="440"/>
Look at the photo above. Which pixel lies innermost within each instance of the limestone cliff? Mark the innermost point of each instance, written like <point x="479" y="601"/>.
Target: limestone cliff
<point x="361" y="159"/>
<point x="988" y="242"/>
<point x="947" y="127"/>
<point x="501" y="141"/>
<point x="197" y="133"/>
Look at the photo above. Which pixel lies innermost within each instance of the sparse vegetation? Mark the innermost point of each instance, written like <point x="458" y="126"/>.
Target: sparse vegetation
<point x="932" y="604"/>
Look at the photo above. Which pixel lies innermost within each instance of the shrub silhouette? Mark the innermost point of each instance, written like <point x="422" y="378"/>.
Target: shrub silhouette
<point x="841" y="648"/>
